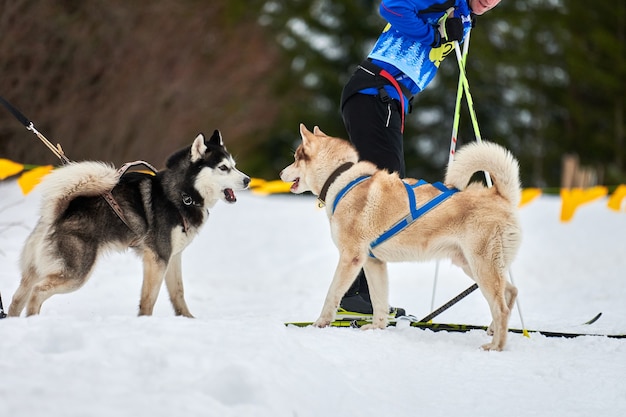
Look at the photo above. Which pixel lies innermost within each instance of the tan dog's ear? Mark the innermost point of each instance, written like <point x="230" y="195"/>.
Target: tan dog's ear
<point x="304" y="132"/>
<point x="317" y="131"/>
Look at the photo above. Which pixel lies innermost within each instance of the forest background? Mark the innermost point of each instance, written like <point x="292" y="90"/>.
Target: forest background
<point x="119" y="81"/>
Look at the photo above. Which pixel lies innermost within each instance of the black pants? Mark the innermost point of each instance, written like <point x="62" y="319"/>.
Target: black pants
<point x="374" y="127"/>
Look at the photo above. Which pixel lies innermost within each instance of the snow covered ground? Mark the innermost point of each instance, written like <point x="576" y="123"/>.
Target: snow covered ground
<point x="267" y="260"/>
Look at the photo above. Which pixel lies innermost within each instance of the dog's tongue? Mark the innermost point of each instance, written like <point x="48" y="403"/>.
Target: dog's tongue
<point x="229" y="194"/>
<point x="294" y="186"/>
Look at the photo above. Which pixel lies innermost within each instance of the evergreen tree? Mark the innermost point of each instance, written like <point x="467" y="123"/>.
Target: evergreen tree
<point x="546" y="78"/>
<point x="323" y="40"/>
<point x="595" y="52"/>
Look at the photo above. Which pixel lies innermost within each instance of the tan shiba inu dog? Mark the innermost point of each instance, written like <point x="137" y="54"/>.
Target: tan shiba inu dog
<point x="376" y="217"/>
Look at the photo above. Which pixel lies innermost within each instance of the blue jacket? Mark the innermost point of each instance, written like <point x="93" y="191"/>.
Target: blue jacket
<point x="409" y="47"/>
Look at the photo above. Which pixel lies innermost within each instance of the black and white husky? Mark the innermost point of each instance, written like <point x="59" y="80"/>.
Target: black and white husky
<point x="163" y="213"/>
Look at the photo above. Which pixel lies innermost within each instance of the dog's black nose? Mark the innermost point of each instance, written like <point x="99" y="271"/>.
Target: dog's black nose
<point x="246" y="182"/>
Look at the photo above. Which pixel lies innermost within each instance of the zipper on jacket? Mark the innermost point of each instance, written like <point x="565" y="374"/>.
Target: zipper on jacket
<point x="388" y="114"/>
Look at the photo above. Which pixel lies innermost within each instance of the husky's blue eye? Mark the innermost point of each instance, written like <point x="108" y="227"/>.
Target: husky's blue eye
<point x="223" y="168"/>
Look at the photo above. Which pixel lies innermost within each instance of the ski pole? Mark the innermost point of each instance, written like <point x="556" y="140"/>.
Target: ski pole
<point x="432" y="297"/>
<point x="519" y="308"/>
<point x="470" y="104"/>
<point x="449" y="304"/>
<point x="453" y="140"/>
<point x="457" y="106"/>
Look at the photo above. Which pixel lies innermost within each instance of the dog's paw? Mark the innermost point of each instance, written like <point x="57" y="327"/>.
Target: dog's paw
<point x="321" y="322"/>
<point x="375" y="324"/>
<point x="491" y="346"/>
<point x="490" y="330"/>
<point x="184" y="313"/>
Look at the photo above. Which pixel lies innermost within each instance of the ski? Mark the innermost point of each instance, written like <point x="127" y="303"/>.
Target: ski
<point x="461" y="328"/>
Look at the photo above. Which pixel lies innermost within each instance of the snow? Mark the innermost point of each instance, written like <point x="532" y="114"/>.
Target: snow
<point x="267" y="260"/>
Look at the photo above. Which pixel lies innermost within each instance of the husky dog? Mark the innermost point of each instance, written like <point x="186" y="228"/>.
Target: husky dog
<point x="476" y="227"/>
<point x="162" y="212"/>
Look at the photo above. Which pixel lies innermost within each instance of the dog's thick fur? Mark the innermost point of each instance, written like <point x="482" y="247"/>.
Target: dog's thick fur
<point x="164" y="213"/>
<point x="477" y="228"/>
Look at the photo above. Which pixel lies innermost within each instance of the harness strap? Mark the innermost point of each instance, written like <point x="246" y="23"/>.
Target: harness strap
<point x="416" y="212"/>
<point x="108" y="196"/>
<point x="374" y="69"/>
<point x="402" y="91"/>
<point x="411" y="194"/>
<point x="395" y="84"/>
<point x="347" y="188"/>
<point x="128" y="165"/>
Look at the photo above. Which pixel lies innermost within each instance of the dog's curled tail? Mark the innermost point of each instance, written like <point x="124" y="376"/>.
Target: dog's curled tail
<point x="61" y="186"/>
<point x="487" y="156"/>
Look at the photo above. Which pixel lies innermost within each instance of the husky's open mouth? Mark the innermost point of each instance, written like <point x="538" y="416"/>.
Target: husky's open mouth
<point x="294" y="186"/>
<point x="229" y="195"/>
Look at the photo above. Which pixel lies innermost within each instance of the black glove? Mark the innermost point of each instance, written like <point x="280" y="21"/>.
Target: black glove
<point x="453" y="30"/>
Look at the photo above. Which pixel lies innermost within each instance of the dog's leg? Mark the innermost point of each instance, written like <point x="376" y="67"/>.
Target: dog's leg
<point x="347" y="269"/>
<point x="459" y="260"/>
<point x="510" y="294"/>
<point x="31" y="253"/>
<point x="50" y="285"/>
<point x="378" y="282"/>
<point x="154" y="269"/>
<point x="52" y="267"/>
<point x="492" y="283"/>
<point x="29" y="279"/>
<point x="174" y="284"/>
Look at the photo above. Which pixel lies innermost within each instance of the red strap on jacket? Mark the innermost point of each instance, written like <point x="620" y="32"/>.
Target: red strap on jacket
<point x="395" y="84"/>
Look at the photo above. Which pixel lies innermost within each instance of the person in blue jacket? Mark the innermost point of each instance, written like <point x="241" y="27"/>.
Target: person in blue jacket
<point x="418" y="36"/>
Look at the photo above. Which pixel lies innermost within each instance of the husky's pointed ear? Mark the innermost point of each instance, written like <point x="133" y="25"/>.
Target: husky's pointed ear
<point x="304" y="132"/>
<point x="198" y="148"/>
<point x="216" y="138"/>
<point x="317" y="131"/>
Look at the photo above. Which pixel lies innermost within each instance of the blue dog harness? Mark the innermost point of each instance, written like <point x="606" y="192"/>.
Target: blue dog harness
<point x="415" y="213"/>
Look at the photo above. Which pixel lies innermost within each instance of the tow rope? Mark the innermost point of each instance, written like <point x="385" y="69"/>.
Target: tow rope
<point x="58" y="151"/>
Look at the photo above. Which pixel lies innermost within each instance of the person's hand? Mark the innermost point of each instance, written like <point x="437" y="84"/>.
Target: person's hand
<point x="451" y="29"/>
